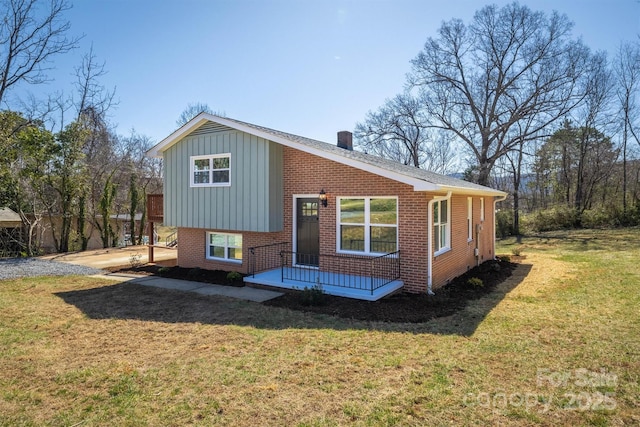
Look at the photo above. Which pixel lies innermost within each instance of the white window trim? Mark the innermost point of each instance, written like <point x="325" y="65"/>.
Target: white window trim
<point x="446" y="248"/>
<point x="481" y="209"/>
<point x="469" y="219"/>
<point x="210" y="157"/>
<point x="226" y="248"/>
<point x="367" y="225"/>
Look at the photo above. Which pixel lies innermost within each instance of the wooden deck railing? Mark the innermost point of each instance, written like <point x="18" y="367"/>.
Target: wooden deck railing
<point x="155" y="208"/>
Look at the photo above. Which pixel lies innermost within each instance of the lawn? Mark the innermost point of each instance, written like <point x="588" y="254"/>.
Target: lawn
<point x="556" y="344"/>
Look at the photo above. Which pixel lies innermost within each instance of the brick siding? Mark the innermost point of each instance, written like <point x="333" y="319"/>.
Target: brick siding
<point x="306" y="174"/>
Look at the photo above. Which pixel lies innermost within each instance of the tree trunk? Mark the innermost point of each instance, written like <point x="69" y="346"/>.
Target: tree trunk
<point x="84" y="240"/>
<point x="484" y="173"/>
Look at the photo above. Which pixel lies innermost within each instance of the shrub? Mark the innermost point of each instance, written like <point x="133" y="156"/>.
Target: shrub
<point x="164" y="271"/>
<point x="475" y="282"/>
<point x="598" y="218"/>
<point x="556" y="218"/>
<point x="312" y="296"/>
<point x="504" y="223"/>
<point x="517" y="251"/>
<point x="504" y="258"/>
<point x="610" y="216"/>
<point x="234" y="277"/>
<point x="194" y="272"/>
<point x="135" y="260"/>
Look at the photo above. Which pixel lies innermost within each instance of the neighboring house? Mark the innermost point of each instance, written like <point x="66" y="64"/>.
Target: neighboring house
<point x="294" y="212"/>
<point x="123" y="226"/>
<point x="10" y="233"/>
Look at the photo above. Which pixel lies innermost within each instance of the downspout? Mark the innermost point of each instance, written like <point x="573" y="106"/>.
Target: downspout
<point x="495" y="200"/>
<point x="477" y="251"/>
<point x="430" y="240"/>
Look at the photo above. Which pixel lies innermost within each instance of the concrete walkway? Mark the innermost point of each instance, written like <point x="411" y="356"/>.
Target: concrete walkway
<point x="244" y="293"/>
<point x="112" y="257"/>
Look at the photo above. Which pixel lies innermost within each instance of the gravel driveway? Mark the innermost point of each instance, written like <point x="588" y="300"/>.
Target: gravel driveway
<point x="25" y="267"/>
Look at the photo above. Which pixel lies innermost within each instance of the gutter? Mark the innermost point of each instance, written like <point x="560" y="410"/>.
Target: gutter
<point x="430" y="239"/>
<point x="496" y="200"/>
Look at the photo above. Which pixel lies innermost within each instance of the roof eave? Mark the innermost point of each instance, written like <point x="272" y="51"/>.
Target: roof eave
<point x="178" y="134"/>
<point x="417" y="183"/>
<point x="473" y="191"/>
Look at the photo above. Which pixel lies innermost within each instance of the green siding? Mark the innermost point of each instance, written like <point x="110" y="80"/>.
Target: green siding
<point x="253" y="202"/>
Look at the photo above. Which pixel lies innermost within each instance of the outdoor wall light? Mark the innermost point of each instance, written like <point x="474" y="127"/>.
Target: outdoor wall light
<point x="323" y="198"/>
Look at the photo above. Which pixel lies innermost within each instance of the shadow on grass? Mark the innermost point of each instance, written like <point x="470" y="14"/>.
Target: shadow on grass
<point x="441" y="314"/>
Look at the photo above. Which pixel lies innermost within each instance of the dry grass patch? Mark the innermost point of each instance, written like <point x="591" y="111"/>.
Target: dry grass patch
<point x="80" y="351"/>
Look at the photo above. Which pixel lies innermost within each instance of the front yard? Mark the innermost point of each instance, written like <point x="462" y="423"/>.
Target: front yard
<point x="562" y="347"/>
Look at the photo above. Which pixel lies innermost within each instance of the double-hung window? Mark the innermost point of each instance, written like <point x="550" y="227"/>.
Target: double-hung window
<point x="441" y="229"/>
<point x="367" y="225"/>
<point x="224" y="246"/>
<point x="211" y="171"/>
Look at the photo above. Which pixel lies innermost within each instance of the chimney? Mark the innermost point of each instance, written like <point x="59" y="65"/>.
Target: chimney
<point x="345" y="140"/>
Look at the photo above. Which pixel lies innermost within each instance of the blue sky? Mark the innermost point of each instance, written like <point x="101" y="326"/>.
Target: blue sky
<point x="310" y="67"/>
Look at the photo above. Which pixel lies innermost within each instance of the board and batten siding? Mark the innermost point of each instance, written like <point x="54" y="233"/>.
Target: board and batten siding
<point x="253" y="202"/>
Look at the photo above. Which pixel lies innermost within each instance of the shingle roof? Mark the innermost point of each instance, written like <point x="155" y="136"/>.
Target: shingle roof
<point x="365" y="161"/>
<point x="9" y="216"/>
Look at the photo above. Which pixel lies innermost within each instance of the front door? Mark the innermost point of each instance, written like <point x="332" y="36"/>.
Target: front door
<point x="308" y="232"/>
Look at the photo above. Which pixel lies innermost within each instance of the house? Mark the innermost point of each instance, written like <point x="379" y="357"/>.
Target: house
<point x="294" y="212"/>
<point x="10" y="232"/>
<point x="123" y="228"/>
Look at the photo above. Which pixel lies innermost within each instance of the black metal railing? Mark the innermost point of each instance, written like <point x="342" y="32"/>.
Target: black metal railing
<point x="265" y="257"/>
<point x="342" y="270"/>
<point x="172" y="239"/>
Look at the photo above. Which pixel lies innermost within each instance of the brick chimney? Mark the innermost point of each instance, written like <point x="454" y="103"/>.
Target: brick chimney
<point x="345" y="140"/>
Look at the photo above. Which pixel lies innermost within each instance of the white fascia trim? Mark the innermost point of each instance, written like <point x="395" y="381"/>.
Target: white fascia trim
<point x="472" y="191"/>
<point x="156" y="151"/>
<point x="200" y="119"/>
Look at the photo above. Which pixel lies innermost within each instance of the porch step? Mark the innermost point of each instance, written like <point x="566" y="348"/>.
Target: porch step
<point x="272" y="278"/>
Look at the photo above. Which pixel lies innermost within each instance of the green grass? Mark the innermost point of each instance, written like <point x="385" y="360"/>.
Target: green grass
<point x="557" y="345"/>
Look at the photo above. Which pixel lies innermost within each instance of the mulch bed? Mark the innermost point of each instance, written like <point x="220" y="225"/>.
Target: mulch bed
<point x="398" y="308"/>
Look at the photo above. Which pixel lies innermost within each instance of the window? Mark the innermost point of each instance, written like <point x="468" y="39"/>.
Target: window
<point x="441" y="226"/>
<point x="469" y="218"/>
<point x="368" y="224"/>
<point x="222" y="246"/>
<point x="481" y="209"/>
<point x="211" y="171"/>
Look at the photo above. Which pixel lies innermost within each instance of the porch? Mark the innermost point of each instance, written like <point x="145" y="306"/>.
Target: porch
<point x="351" y="276"/>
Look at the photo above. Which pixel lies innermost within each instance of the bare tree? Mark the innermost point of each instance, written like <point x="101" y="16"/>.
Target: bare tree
<point x="193" y="109"/>
<point x="400" y="130"/>
<point x="509" y="65"/>
<point x="91" y="93"/>
<point x="29" y="37"/>
<point x="593" y="116"/>
<point x="627" y="75"/>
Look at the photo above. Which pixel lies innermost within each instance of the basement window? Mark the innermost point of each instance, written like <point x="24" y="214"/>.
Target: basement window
<point x="224" y="247"/>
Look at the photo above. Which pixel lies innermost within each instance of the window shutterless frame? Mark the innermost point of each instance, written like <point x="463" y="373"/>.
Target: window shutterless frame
<point x="441" y="226"/>
<point x="366" y="225"/>
<point x="212" y="170"/>
<point x="224" y="247"/>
